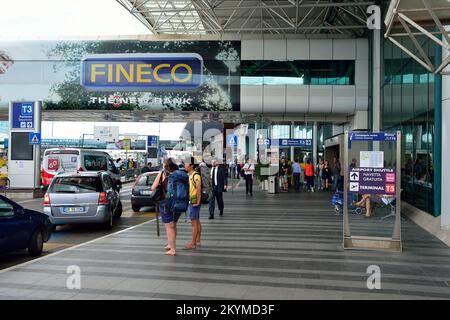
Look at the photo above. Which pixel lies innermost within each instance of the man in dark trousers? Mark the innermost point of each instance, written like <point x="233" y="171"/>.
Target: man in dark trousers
<point x="219" y="185"/>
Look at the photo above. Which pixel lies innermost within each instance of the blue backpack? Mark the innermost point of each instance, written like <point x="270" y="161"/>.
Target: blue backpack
<point x="177" y="195"/>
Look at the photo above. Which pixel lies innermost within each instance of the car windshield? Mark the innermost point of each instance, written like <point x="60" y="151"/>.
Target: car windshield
<point x="76" y="185"/>
<point x="146" y="180"/>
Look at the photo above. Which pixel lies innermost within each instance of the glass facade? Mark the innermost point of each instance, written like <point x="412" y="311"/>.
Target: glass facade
<point x="313" y="72"/>
<point x="408" y="103"/>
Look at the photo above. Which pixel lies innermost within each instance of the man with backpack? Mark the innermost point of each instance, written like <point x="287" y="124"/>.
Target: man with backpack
<point x="195" y="199"/>
<point x="205" y="174"/>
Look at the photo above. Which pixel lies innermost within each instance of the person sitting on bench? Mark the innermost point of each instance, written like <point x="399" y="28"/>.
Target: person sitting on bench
<point x="366" y="202"/>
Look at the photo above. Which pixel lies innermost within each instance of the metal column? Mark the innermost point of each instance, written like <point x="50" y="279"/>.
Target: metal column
<point x="291" y="135"/>
<point x="376" y="82"/>
<point x="37" y="148"/>
<point x="314" y="143"/>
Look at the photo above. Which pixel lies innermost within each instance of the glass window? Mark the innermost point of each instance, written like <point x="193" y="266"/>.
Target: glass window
<point x="76" y="185"/>
<point x="146" y="180"/>
<point x="408" y="106"/>
<point x="6" y="210"/>
<point x="302" y="131"/>
<point x="282" y="131"/>
<point x="312" y="72"/>
<point x="95" y="163"/>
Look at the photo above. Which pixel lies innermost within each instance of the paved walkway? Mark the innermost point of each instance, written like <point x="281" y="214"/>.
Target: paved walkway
<point x="283" y="246"/>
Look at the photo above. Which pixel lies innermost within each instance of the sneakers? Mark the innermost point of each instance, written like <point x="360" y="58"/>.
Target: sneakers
<point x="221" y="213"/>
<point x="211" y="217"/>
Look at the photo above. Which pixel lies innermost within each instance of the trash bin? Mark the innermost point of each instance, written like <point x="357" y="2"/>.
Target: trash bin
<point x="273" y="184"/>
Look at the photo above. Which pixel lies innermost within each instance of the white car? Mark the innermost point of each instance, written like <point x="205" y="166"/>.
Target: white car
<point x="71" y="160"/>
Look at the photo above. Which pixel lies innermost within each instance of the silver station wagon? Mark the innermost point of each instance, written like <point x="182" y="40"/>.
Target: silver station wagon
<point x="84" y="197"/>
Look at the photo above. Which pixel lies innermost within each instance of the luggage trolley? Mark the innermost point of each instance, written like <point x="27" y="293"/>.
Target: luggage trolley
<point x="338" y="202"/>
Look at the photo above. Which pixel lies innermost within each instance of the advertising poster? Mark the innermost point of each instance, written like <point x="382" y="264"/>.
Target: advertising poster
<point x="122" y="75"/>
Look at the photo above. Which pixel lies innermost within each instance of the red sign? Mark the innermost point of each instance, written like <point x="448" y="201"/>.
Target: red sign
<point x="390" y="188"/>
<point x="53" y="164"/>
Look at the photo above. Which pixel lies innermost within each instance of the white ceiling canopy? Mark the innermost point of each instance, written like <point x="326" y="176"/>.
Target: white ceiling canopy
<point x="420" y="18"/>
<point x="251" y="16"/>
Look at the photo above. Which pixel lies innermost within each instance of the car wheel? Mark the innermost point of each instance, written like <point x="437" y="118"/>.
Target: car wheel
<point x="36" y="244"/>
<point x="135" y="208"/>
<point x="54" y="229"/>
<point x="118" y="210"/>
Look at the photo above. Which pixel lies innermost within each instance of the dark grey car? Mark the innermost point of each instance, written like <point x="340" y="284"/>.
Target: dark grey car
<point x="141" y="194"/>
<point x="85" y="197"/>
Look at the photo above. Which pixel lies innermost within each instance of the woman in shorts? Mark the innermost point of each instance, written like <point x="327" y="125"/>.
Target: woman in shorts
<point x="168" y="217"/>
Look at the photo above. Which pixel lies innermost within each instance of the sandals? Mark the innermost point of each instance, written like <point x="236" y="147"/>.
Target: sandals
<point x="189" y="247"/>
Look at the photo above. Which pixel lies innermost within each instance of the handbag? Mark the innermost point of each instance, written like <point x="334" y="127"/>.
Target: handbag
<point x="158" y="191"/>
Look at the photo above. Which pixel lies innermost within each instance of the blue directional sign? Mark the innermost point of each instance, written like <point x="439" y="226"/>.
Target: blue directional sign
<point x="306" y="143"/>
<point x="34" y="138"/>
<point x="22" y="115"/>
<point x="372" y="136"/>
<point x="152" y="141"/>
<point x="232" y="140"/>
<point x="295" y="142"/>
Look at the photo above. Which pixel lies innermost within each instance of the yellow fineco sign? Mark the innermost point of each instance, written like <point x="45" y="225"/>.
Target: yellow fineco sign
<point x="141" y="72"/>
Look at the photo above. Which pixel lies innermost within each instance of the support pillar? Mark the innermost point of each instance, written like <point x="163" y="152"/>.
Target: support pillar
<point x="314" y="143"/>
<point x="291" y="135"/>
<point x="376" y="83"/>
<point x="445" y="150"/>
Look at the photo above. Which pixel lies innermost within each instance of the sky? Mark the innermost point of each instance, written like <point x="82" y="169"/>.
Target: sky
<point x="61" y="129"/>
<point x="56" y="19"/>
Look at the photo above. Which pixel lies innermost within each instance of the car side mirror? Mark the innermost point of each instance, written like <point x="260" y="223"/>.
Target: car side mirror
<point x="20" y="211"/>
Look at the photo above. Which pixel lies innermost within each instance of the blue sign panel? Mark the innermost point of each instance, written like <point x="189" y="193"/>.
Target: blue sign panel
<point x="295" y="143"/>
<point x="141" y="72"/>
<point x="152" y="141"/>
<point x="34" y="138"/>
<point x="232" y="140"/>
<point x="372" y="136"/>
<point x="22" y="115"/>
<point x="305" y="143"/>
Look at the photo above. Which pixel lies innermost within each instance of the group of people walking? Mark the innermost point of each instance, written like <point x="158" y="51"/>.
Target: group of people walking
<point x="321" y="177"/>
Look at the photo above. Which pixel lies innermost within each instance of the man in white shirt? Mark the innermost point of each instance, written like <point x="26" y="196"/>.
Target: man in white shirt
<point x="249" y="169"/>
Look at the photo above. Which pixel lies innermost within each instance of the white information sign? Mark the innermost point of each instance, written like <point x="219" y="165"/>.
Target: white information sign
<point x="105" y="133"/>
<point x="371" y="159"/>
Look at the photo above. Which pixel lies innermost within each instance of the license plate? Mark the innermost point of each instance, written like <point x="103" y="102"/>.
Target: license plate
<point x="146" y="192"/>
<point x="73" y="209"/>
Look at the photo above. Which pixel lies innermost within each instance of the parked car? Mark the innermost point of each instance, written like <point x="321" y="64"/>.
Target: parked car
<point x="71" y="160"/>
<point x="141" y="194"/>
<point x="22" y="228"/>
<point x="85" y="197"/>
